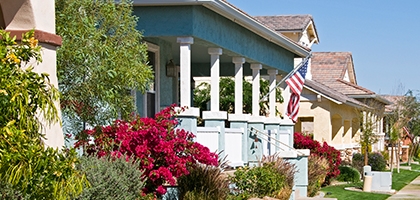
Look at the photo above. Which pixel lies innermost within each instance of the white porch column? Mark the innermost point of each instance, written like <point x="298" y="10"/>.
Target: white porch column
<point x="272" y="96"/>
<point x="215" y="77"/>
<point x="239" y="61"/>
<point x="185" y="69"/>
<point x="256" y="88"/>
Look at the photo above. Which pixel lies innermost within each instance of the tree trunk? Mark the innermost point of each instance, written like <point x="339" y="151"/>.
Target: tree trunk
<point x="366" y="156"/>
<point x="398" y="157"/>
<point x="392" y="157"/>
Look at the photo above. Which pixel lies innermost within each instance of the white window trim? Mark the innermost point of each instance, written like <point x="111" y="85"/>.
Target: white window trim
<point x="156" y="50"/>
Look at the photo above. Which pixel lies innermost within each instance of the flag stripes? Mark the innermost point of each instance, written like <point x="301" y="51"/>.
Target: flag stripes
<point x="296" y="82"/>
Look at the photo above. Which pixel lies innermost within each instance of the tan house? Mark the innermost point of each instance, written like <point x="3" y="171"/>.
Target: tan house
<point x="332" y="102"/>
<point x="19" y="16"/>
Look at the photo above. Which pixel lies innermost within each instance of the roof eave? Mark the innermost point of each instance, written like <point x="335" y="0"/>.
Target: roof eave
<point x="323" y="95"/>
<point x="371" y="96"/>
<point x="231" y="13"/>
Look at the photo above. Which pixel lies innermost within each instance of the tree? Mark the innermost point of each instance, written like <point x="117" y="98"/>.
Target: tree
<point x="408" y="110"/>
<point x="102" y="58"/>
<point x="27" y="99"/>
<point x="227" y="96"/>
<point x="369" y="117"/>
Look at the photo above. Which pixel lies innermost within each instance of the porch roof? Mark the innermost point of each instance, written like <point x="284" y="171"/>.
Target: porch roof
<point x="216" y="23"/>
<point x="236" y="15"/>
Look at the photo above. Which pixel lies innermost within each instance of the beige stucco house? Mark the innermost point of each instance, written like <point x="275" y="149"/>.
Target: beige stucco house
<point x="332" y="102"/>
<point x="19" y="16"/>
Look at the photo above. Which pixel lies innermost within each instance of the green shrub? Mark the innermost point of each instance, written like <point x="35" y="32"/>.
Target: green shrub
<point x="348" y="174"/>
<point x="317" y="171"/>
<point x="377" y="161"/>
<point x="8" y="192"/>
<point x="203" y="182"/>
<point x="27" y="107"/>
<point x="273" y="178"/>
<point x="258" y="181"/>
<point x="111" y="178"/>
<point x="358" y="161"/>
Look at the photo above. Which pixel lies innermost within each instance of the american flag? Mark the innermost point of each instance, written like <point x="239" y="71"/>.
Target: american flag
<point x="295" y="82"/>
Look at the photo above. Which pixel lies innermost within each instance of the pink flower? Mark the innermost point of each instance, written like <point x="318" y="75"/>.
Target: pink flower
<point x="162" y="151"/>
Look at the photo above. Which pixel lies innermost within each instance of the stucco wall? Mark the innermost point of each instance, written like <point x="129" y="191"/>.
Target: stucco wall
<point x="25" y="15"/>
<point x="333" y="123"/>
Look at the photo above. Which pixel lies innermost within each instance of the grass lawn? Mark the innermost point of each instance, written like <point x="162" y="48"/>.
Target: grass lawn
<point x="399" y="180"/>
<point x="340" y="193"/>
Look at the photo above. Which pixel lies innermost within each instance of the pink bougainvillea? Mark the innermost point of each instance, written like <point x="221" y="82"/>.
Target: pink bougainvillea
<point x="330" y="153"/>
<point x="163" y="151"/>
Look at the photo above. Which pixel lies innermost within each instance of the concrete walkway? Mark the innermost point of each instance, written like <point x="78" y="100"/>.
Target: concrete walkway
<point x="409" y="192"/>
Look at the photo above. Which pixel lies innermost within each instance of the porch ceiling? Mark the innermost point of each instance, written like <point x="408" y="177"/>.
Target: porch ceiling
<point x="199" y="51"/>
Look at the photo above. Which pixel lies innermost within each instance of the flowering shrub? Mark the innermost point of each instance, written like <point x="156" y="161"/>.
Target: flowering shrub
<point x="162" y="151"/>
<point x="324" y="151"/>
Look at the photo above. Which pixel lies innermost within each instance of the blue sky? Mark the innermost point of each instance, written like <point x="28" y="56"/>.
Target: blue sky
<point x="382" y="35"/>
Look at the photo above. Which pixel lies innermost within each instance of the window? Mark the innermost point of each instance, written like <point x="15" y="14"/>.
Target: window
<point x="151" y="99"/>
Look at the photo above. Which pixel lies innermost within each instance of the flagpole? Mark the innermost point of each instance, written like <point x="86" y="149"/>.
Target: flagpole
<point x="288" y="75"/>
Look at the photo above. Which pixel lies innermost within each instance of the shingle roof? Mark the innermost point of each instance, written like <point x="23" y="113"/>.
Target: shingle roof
<point x="267" y="26"/>
<point x="327" y="67"/>
<point x="350" y="88"/>
<point x="327" y="91"/>
<point x="286" y="22"/>
<point x="394" y="99"/>
<point x="330" y="68"/>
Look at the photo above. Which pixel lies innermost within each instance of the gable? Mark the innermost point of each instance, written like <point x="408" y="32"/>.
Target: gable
<point x="299" y="28"/>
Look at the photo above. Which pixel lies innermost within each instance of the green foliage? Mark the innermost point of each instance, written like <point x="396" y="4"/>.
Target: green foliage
<point x="102" y="58"/>
<point x="358" y="162"/>
<point x="227" y="96"/>
<point x="23" y="91"/>
<point x="376" y="161"/>
<point x="317" y="172"/>
<point x="8" y="192"/>
<point x="348" y="174"/>
<point x="258" y="181"/>
<point x="274" y="178"/>
<point x="368" y="135"/>
<point x="111" y="178"/>
<point x="42" y="173"/>
<point x="26" y="99"/>
<point x="203" y="182"/>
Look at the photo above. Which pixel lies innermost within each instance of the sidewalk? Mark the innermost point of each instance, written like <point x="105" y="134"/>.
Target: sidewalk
<point x="410" y="191"/>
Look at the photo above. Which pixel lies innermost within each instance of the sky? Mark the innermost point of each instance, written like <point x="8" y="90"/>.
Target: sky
<point x="382" y="35"/>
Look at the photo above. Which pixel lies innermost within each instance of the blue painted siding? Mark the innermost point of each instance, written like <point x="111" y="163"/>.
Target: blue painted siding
<point x="167" y="92"/>
<point x="224" y="33"/>
<point x="217" y="31"/>
<point x="165" y="21"/>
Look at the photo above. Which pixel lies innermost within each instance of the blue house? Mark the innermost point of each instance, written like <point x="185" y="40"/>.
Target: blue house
<point x="213" y="38"/>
